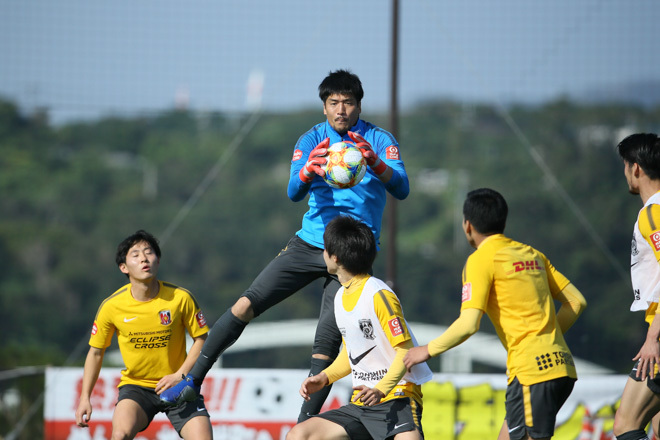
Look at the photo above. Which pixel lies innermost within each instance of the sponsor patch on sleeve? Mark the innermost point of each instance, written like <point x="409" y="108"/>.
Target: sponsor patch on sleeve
<point x="296" y="155"/>
<point x="201" y="320"/>
<point x="395" y="326"/>
<point x="95" y="329"/>
<point x="655" y="240"/>
<point x="392" y="152"/>
<point x="466" y="294"/>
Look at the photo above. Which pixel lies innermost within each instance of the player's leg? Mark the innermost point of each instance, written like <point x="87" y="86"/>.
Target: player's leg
<point x="317" y="428"/>
<point x="504" y="432"/>
<point x="639" y="404"/>
<point x="327" y="342"/>
<point x="282" y="277"/>
<point x="134" y="411"/>
<point x="198" y="428"/>
<point x="531" y="410"/>
<point x="341" y="423"/>
<point x="655" y="424"/>
<point x="408" y="435"/>
<point x="128" y="419"/>
<point x="287" y="273"/>
<point x="407" y="413"/>
<point x="190" y="419"/>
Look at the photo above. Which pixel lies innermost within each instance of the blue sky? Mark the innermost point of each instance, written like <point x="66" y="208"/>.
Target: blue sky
<point x="85" y="59"/>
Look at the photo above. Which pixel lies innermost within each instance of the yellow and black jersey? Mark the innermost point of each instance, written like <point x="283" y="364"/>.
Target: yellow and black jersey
<point x="516" y="285"/>
<point x="644" y="257"/>
<point x="151" y="334"/>
<point x="371" y="322"/>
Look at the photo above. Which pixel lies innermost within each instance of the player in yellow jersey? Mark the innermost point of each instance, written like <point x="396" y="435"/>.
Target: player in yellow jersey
<point x="151" y="319"/>
<point x="516" y="286"/>
<point x="640" y="401"/>
<point x="387" y="400"/>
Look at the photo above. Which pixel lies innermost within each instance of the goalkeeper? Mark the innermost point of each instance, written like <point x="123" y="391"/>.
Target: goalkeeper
<point x="301" y="261"/>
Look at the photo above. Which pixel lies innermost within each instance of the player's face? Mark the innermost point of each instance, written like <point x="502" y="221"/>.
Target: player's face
<point x="467" y="229"/>
<point x="141" y="262"/>
<point x="342" y="111"/>
<point x="330" y="263"/>
<point x="630" y="177"/>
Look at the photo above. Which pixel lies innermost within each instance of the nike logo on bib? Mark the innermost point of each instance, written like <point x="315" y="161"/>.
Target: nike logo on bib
<point x="360" y="357"/>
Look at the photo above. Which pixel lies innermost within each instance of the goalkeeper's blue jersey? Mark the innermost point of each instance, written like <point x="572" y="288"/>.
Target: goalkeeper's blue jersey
<point x="365" y="201"/>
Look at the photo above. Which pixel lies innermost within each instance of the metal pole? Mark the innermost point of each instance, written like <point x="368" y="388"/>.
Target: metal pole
<point x="391" y="276"/>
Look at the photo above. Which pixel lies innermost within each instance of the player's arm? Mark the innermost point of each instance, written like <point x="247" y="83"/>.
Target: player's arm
<point x="573" y="304"/>
<point x="649" y="355"/>
<point x="340" y="367"/>
<point x="306" y="166"/>
<point x="458" y="332"/>
<point x="395" y="180"/>
<point x="91" y="372"/>
<point x="172" y="379"/>
<point x="396" y="370"/>
<point x="572" y="301"/>
<point x="649" y="227"/>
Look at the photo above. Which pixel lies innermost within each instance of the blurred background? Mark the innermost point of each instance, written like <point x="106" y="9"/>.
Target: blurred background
<point x="181" y="117"/>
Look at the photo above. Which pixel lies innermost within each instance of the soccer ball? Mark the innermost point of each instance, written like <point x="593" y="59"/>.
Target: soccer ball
<point x="345" y="166"/>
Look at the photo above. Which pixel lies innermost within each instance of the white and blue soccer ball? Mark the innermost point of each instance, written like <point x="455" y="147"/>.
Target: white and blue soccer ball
<point x="345" y="166"/>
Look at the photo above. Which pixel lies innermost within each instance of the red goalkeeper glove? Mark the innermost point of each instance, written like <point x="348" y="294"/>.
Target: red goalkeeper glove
<point x="314" y="162"/>
<point x="368" y="153"/>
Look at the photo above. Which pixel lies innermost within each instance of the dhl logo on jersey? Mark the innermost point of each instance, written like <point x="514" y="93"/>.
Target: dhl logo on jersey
<point x="520" y="266"/>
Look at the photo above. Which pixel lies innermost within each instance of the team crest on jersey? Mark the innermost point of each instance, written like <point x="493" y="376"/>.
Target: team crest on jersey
<point x="201" y="320"/>
<point x="367" y="328"/>
<point x="633" y="247"/>
<point x="395" y="326"/>
<point x="466" y="293"/>
<point x="296" y="155"/>
<point x="165" y="317"/>
<point x="655" y="239"/>
<point x="392" y="152"/>
<point x="95" y="329"/>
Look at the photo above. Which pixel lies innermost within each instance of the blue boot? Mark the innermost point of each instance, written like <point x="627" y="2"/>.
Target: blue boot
<point x="184" y="391"/>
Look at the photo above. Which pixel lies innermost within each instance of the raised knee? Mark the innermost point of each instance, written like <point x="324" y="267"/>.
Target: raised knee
<point x="242" y="309"/>
<point x="120" y="435"/>
<point x="295" y="433"/>
<point x="621" y="423"/>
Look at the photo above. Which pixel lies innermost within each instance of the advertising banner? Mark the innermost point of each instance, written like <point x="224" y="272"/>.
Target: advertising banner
<point x="263" y="404"/>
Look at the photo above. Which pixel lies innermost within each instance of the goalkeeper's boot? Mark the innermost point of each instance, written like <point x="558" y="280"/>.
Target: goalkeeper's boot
<point x="184" y="391"/>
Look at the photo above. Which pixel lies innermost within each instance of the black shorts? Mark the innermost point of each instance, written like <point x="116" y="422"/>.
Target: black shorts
<point x="382" y="421"/>
<point x="533" y="409"/>
<point x="150" y="402"/>
<point x="297" y="265"/>
<point x="653" y="384"/>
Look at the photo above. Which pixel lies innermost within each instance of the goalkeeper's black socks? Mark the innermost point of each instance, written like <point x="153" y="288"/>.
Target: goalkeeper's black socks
<point x="226" y="330"/>
<point x="316" y="400"/>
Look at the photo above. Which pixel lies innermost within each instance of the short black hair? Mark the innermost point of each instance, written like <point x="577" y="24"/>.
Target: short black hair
<point x="644" y="150"/>
<point x="352" y="242"/>
<point x="341" y="82"/>
<point x="132" y="240"/>
<point x="486" y="210"/>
